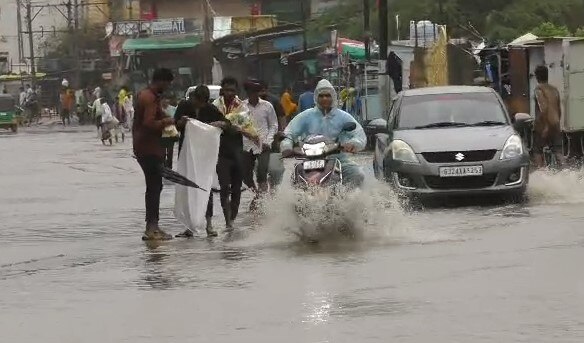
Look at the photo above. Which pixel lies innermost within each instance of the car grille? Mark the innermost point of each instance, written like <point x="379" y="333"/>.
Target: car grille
<point x="463" y="182"/>
<point x="450" y="156"/>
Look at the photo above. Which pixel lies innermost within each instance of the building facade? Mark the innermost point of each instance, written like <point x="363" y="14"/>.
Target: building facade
<point x="163" y="9"/>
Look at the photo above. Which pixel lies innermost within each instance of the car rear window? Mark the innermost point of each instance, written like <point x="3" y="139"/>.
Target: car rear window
<point x="467" y="108"/>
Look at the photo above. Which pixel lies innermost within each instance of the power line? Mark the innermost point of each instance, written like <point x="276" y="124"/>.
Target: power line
<point x="69" y="10"/>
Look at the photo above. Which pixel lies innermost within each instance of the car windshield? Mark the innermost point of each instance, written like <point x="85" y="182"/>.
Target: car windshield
<point x="6" y="104"/>
<point x="451" y="110"/>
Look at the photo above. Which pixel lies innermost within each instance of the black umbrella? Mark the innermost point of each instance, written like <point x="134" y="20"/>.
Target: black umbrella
<point x="177" y="178"/>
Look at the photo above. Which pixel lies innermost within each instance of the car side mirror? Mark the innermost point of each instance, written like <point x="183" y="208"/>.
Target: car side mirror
<point x="522" y="121"/>
<point x="351" y="126"/>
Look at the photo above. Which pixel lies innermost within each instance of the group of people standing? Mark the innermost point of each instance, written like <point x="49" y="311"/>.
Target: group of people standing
<point x="243" y="146"/>
<point x="251" y="131"/>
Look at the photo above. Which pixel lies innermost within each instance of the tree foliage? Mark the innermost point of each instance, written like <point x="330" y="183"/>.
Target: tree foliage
<point x="64" y="44"/>
<point x="548" y="29"/>
<point x="494" y="20"/>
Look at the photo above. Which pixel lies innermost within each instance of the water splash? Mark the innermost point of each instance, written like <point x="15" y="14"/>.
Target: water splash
<point x="564" y="187"/>
<point x="372" y="214"/>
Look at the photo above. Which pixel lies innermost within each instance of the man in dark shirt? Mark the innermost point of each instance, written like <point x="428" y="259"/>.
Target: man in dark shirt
<point x="149" y="122"/>
<point x="229" y="170"/>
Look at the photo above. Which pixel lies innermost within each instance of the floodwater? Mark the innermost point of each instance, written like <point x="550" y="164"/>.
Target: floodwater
<point x="73" y="267"/>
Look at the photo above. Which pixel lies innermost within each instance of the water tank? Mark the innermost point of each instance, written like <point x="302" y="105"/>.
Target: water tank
<point x="424" y="33"/>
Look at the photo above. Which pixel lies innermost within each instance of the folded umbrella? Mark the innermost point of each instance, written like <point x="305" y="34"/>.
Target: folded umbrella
<point x="177" y="178"/>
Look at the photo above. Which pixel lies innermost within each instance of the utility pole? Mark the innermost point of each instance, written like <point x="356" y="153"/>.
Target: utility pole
<point x="19" y="25"/>
<point x="31" y="44"/>
<point x="383" y="29"/>
<point x="76" y="55"/>
<point x="208" y="35"/>
<point x="367" y="28"/>
<point x="303" y="13"/>
<point x="69" y="13"/>
<point x="385" y="88"/>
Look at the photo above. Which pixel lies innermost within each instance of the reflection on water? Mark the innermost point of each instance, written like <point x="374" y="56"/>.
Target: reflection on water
<point x="317" y="308"/>
<point x="155" y="273"/>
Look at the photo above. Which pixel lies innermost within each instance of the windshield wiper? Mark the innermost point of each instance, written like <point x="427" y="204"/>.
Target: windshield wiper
<point x="441" y="124"/>
<point x="489" y="123"/>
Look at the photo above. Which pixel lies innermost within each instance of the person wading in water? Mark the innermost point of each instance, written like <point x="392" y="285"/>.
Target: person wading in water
<point x="147" y="129"/>
<point x="548" y="111"/>
<point x="229" y="174"/>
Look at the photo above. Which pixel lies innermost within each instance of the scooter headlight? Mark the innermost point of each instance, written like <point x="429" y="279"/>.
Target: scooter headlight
<point x="314" y="149"/>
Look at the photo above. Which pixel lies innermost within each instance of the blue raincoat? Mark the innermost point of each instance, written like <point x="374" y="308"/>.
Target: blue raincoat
<point x="315" y="122"/>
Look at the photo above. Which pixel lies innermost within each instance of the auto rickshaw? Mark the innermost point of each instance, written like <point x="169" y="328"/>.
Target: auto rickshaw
<point x="8" y="118"/>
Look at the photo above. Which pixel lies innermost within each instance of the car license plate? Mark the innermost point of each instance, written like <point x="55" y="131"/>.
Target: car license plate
<point x="461" y="171"/>
<point x="316" y="164"/>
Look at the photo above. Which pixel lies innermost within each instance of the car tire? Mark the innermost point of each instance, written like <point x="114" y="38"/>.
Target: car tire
<point x="517" y="198"/>
<point x="387" y="174"/>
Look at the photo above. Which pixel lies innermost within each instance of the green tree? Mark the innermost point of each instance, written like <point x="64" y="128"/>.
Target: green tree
<point x="496" y="20"/>
<point x="579" y="32"/>
<point x="548" y="29"/>
<point x="86" y="38"/>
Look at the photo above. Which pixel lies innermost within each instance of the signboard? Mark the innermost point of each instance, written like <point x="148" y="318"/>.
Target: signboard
<point x="167" y="26"/>
<point x="175" y="26"/>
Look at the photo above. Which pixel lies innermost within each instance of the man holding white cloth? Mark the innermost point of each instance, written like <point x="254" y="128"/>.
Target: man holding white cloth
<point x="264" y="117"/>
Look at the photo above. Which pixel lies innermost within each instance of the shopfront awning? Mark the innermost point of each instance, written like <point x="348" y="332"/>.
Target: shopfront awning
<point x="162" y="43"/>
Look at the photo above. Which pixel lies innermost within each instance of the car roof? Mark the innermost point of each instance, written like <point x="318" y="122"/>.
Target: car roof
<point x="447" y="90"/>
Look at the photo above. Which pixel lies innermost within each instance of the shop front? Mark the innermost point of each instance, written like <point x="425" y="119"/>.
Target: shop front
<point x="176" y="44"/>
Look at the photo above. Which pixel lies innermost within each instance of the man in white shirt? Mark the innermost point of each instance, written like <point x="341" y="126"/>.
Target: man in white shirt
<point x="108" y="121"/>
<point x="22" y="98"/>
<point x="264" y="117"/>
<point x="97" y="109"/>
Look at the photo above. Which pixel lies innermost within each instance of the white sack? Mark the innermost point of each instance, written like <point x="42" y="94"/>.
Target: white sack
<point x="197" y="162"/>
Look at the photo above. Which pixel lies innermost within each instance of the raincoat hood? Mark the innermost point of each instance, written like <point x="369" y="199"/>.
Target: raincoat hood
<point x="324" y="86"/>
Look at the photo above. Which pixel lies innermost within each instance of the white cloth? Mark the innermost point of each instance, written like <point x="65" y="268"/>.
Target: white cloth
<point x="97" y="107"/>
<point x="265" y="121"/>
<point x="197" y="162"/>
<point x="107" y="114"/>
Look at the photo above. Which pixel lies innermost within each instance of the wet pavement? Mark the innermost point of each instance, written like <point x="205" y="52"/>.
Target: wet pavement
<point x="73" y="268"/>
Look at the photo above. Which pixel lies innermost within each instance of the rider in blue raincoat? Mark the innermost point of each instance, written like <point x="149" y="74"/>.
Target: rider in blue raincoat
<point x="328" y="120"/>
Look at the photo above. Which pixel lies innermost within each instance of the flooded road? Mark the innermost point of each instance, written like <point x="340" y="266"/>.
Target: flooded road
<point x="73" y="267"/>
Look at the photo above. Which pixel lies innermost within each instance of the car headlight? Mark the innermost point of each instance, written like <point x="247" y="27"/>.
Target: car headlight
<point x="513" y="148"/>
<point x="402" y="152"/>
